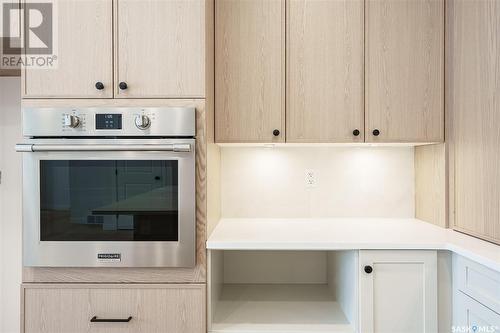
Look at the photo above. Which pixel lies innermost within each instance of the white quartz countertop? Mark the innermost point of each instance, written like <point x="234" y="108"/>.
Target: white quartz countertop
<point x="348" y="234"/>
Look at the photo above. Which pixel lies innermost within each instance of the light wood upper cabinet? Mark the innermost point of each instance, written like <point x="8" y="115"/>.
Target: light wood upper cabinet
<point x="160" y="48"/>
<point x="473" y="115"/>
<point x="325" y="71"/>
<point x="83" y="45"/>
<point x="249" y="70"/>
<point x="404" y="70"/>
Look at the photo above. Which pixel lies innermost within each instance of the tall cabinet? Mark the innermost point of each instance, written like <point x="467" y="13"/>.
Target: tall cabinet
<point x="136" y="54"/>
<point x="473" y="115"/>
<point x="404" y="70"/>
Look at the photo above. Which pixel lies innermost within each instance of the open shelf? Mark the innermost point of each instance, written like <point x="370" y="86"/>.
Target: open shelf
<point x="282" y="291"/>
<point x="278" y="308"/>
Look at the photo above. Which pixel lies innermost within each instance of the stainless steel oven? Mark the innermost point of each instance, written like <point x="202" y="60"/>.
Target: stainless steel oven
<point x="108" y="187"/>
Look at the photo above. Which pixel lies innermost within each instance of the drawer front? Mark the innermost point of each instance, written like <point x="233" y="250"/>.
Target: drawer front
<point x="477" y="281"/>
<point x="471" y="316"/>
<point x="153" y="308"/>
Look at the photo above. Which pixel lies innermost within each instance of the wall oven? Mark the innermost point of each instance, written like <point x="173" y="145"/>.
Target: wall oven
<point x="108" y="187"/>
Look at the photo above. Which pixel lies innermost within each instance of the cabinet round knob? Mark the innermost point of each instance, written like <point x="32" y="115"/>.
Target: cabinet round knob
<point x="376" y="132"/>
<point x="99" y="85"/>
<point x="123" y="85"/>
<point x="368" y="269"/>
<point x="356" y="132"/>
<point x="276" y="132"/>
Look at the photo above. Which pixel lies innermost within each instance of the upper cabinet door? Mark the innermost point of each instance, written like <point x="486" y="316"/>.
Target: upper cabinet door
<point x="83" y="45"/>
<point x="404" y="71"/>
<point x="160" y="49"/>
<point x="249" y="70"/>
<point x="325" y="71"/>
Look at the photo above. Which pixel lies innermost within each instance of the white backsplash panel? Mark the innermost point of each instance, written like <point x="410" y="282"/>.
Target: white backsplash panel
<point x="298" y="182"/>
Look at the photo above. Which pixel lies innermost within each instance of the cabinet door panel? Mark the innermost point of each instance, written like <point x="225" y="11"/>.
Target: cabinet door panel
<point x="405" y="70"/>
<point x="83" y="46"/>
<point x="400" y="294"/>
<point x="160" y="48"/>
<point x="325" y="70"/>
<point x="249" y="70"/>
<point x="473" y="82"/>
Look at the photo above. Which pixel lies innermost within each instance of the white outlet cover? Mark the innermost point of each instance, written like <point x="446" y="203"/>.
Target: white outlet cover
<point x="310" y="178"/>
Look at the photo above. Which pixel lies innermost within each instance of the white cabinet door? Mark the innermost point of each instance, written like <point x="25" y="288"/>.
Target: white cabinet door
<point x="471" y="316"/>
<point x="398" y="291"/>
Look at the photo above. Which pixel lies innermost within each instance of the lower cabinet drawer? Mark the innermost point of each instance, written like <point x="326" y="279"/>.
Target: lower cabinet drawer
<point x="115" y="308"/>
<point x="477" y="281"/>
<point x="471" y="316"/>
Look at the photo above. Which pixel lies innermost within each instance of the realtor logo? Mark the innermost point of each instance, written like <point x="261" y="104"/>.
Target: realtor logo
<point x="28" y="34"/>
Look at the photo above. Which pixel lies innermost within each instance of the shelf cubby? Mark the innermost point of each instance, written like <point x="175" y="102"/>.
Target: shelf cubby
<point x="282" y="291"/>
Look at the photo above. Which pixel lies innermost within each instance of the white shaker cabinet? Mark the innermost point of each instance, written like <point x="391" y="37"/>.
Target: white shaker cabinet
<point x="398" y="291"/>
<point x="476" y="296"/>
<point x="468" y="313"/>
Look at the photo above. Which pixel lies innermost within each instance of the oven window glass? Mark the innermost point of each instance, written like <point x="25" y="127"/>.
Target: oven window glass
<point x="84" y="200"/>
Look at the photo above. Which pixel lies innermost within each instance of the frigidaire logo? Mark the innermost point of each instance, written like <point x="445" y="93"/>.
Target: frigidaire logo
<point x="109" y="257"/>
<point x="28" y="35"/>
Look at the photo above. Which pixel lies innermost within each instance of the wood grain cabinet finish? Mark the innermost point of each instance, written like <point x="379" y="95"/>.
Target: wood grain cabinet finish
<point x="249" y="70"/>
<point x="153" y="308"/>
<point x="404" y="85"/>
<point x="83" y="44"/>
<point x="325" y="71"/>
<point x="160" y="48"/>
<point x="473" y="108"/>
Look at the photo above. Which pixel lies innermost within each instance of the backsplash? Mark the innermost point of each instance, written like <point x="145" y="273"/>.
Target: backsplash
<point x="367" y="181"/>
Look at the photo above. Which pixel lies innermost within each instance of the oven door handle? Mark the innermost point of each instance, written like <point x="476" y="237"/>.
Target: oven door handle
<point x="175" y="147"/>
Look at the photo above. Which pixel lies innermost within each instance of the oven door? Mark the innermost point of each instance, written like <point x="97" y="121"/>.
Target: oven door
<point x="102" y="203"/>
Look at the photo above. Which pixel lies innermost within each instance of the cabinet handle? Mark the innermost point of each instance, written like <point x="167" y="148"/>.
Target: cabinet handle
<point x="99" y="85"/>
<point x="123" y="85"/>
<point x="356" y="132"/>
<point x="276" y="132"/>
<point x="96" y="320"/>
<point x="368" y="269"/>
<point x="376" y="132"/>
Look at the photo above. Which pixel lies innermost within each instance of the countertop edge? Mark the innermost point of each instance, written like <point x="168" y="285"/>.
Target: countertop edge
<point x="445" y="245"/>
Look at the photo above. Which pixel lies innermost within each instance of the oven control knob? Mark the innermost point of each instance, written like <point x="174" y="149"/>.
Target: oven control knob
<point x="142" y="122"/>
<point x="72" y="121"/>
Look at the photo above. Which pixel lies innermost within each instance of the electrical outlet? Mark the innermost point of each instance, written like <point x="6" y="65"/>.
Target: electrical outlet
<point x="310" y="178"/>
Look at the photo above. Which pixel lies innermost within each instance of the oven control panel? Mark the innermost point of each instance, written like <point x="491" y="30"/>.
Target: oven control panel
<point x="164" y="122"/>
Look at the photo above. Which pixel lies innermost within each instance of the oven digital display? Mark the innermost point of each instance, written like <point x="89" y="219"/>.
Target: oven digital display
<point x="112" y="121"/>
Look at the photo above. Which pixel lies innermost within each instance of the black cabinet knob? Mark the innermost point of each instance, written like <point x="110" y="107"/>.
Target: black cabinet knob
<point x="99" y="85"/>
<point x="368" y="269"/>
<point x="123" y="85"/>
<point x="276" y="132"/>
<point x="376" y="132"/>
<point x="356" y="132"/>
